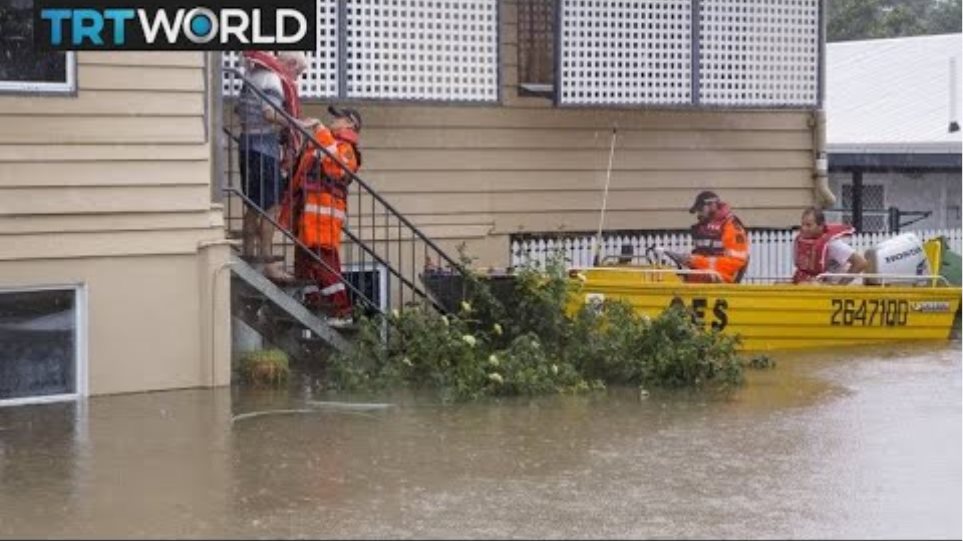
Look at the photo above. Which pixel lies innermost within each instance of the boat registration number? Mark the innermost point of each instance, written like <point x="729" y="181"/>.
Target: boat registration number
<point x="869" y="313"/>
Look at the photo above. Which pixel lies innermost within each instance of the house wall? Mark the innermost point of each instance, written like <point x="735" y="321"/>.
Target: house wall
<point x="479" y="173"/>
<point x="938" y="192"/>
<point x="111" y="188"/>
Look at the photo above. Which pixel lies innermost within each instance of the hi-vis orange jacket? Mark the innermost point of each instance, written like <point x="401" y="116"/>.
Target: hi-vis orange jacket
<point x="721" y="245"/>
<point x="323" y="187"/>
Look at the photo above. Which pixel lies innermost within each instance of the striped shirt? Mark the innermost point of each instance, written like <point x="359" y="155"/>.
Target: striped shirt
<point x="257" y="133"/>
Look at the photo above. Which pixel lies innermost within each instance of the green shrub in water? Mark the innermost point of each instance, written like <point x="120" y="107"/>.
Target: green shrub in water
<point x="761" y="362"/>
<point x="265" y="367"/>
<point x="533" y="347"/>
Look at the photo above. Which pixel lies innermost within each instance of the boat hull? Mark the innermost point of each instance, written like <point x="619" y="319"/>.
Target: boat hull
<point x="777" y="317"/>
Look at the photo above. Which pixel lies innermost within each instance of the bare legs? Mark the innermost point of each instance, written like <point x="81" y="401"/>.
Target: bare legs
<point x="258" y="240"/>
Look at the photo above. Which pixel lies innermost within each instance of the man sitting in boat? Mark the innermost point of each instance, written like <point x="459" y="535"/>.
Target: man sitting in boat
<point x="819" y="248"/>
<point x="720" y="243"/>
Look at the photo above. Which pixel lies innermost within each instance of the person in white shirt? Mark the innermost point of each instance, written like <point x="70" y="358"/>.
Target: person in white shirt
<point x="819" y="248"/>
<point x="265" y="152"/>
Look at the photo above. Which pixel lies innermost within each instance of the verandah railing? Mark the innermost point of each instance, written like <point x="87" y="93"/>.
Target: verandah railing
<point x="771" y="259"/>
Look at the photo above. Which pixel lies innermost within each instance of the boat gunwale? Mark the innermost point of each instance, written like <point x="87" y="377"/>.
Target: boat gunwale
<point x="582" y="281"/>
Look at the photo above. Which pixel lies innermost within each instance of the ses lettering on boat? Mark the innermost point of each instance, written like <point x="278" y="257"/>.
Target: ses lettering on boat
<point x="717" y="319"/>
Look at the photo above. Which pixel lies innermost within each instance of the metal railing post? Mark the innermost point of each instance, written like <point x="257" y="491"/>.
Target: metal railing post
<point x="367" y="247"/>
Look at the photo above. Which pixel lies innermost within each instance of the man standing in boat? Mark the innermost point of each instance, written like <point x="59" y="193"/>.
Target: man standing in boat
<point x="719" y="240"/>
<point x="819" y="248"/>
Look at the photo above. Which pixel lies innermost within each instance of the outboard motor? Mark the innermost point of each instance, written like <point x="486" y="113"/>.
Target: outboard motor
<point x="903" y="254"/>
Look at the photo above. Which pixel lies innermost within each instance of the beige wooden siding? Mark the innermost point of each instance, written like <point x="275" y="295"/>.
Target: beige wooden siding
<point x="123" y="167"/>
<point x="481" y="173"/>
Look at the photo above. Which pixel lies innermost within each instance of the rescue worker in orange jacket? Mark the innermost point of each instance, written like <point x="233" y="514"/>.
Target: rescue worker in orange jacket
<point x="719" y="240"/>
<point x="319" y="209"/>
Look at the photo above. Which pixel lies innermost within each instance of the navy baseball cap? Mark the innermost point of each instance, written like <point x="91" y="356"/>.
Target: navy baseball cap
<point x="702" y="199"/>
<point x="351" y="114"/>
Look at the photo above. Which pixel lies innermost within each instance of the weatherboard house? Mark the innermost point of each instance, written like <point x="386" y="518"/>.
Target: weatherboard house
<point x="483" y="121"/>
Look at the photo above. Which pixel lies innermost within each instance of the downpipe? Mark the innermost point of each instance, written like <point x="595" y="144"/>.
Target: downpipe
<point x="824" y="196"/>
<point x="817" y="123"/>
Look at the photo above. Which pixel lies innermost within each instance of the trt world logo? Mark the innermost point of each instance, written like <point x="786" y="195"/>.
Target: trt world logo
<point x="156" y="25"/>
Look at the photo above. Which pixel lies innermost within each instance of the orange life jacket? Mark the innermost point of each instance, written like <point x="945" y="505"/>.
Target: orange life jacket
<point x="809" y="253"/>
<point x="720" y="245"/>
<point x="323" y="188"/>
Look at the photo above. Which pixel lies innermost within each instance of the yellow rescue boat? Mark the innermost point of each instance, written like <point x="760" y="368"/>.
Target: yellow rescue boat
<point x="777" y="316"/>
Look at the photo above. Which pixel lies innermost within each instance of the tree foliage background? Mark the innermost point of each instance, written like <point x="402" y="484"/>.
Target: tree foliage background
<point x="875" y="19"/>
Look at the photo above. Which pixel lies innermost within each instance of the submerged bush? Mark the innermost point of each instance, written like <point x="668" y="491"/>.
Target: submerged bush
<point x="264" y="368"/>
<point x="761" y="362"/>
<point x="533" y="347"/>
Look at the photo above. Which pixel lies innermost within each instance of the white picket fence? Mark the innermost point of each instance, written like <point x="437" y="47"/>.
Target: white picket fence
<point x="771" y="250"/>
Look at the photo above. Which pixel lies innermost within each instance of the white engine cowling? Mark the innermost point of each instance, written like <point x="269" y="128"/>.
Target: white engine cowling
<point x="903" y="254"/>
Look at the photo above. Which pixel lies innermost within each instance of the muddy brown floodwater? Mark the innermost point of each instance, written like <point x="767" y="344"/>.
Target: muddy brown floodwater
<point x="855" y="443"/>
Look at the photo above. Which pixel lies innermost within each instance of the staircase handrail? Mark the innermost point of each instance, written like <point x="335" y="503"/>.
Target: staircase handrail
<point x="298" y="244"/>
<point x="294" y="124"/>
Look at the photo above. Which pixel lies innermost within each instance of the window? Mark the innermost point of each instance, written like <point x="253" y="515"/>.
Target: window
<point x="22" y="68"/>
<point x="371" y="279"/>
<point x="41" y="345"/>
<point x="875" y="214"/>
<point x="536" y="46"/>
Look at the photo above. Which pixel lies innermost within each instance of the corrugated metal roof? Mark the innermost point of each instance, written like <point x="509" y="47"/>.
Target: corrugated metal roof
<point x="892" y="95"/>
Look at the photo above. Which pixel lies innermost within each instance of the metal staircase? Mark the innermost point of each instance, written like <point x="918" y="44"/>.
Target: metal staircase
<point x="383" y="254"/>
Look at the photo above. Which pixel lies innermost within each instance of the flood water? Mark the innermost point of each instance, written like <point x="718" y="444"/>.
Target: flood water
<point x="852" y="444"/>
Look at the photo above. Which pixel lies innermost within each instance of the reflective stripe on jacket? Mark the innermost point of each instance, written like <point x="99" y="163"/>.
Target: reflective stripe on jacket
<point x="721" y="245"/>
<point x="323" y="185"/>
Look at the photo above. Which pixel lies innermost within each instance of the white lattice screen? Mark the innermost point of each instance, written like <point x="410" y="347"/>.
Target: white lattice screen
<point x="231" y="85"/>
<point x="403" y="49"/>
<point x="320" y="80"/>
<point x="626" y="52"/>
<point x="759" y="53"/>
<point x="422" y="49"/>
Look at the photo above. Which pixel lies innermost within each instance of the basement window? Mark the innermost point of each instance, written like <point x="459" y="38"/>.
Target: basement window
<point x="41" y="345"/>
<point x="23" y="69"/>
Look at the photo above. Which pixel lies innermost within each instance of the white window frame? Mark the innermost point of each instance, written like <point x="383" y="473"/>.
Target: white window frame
<point x="43" y="87"/>
<point x="382" y="272"/>
<point x="80" y="346"/>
